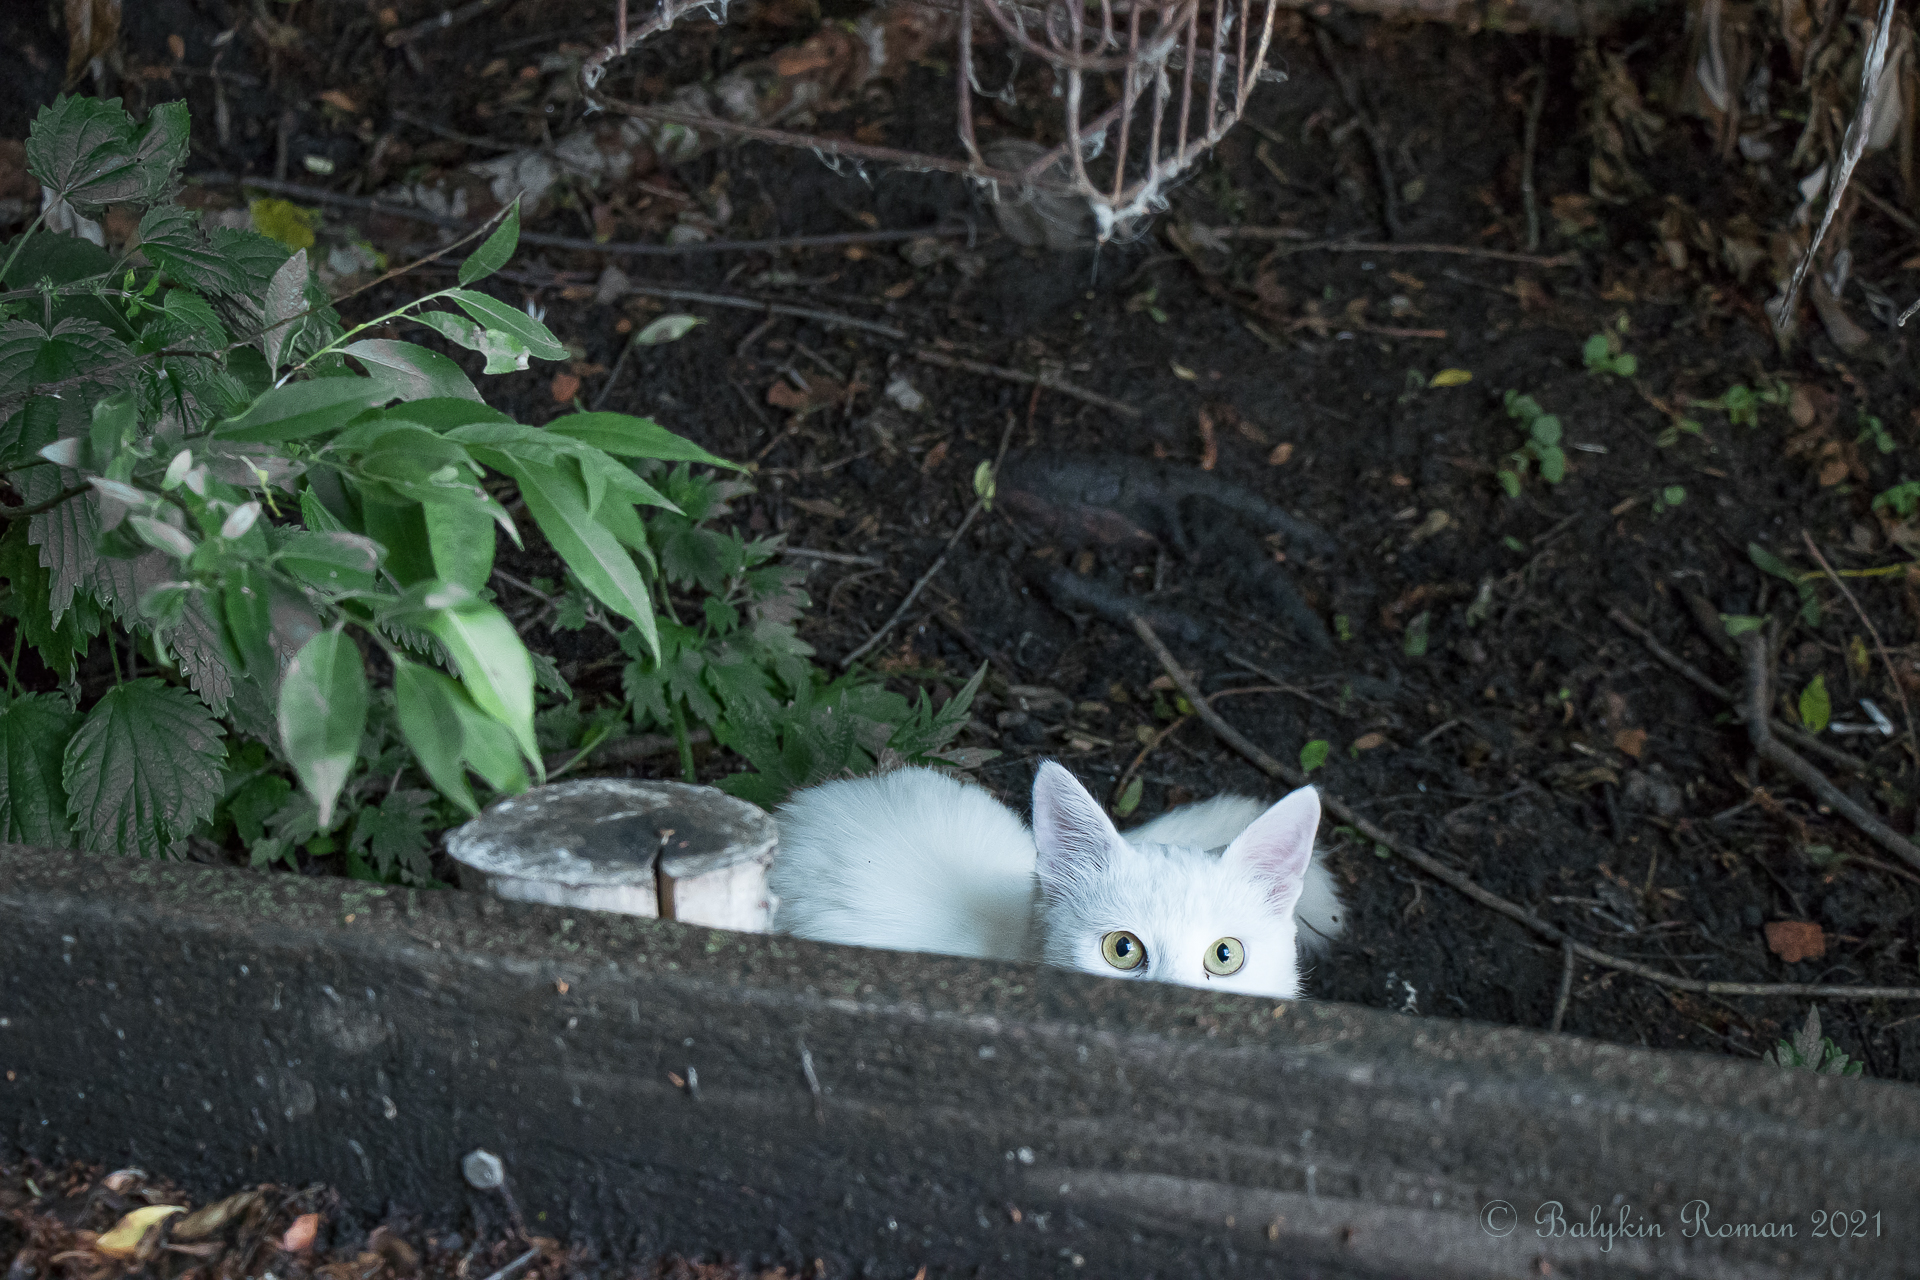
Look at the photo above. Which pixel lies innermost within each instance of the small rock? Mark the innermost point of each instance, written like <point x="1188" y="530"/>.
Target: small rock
<point x="612" y="286"/>
<point x="1649" y="791"/>
<point x="904" y="394"/>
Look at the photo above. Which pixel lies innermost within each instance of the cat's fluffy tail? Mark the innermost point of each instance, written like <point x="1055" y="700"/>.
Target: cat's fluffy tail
<point x="1214" y="824"/>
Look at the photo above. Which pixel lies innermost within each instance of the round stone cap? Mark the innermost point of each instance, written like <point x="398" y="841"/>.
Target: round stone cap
<point x="608" y="832"/>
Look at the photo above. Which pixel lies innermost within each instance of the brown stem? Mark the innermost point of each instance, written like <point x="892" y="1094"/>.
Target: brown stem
<point x="21" y="513"/>
<point x="1754" y="649"/>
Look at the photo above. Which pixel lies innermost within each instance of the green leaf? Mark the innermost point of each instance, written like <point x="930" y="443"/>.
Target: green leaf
<point x="597" y="558"/>
<point x="426" y="703"/>
<point x="60" y="643"/>
<point x="1596" y="352"/>
<point x="89" y="152"/>
<point x="1545" y="430"/>
<point x="323" y="712"/>
<point x="496" y="251"/>
<point x="1129" y="799"/>
<point x="1415" y="644"/>
<point x="171" y="239"/>
<point x="494" y="667"/>
<point x="1816" y="709"/>
<point x="417" y="373"/>
<point x="1553" y="465"/>
<point x="664" y="329"/>
<point x="490" y="749"/>
<point x="1767" y="562"/>
<point x="462" y="543"/>
<point x="1625" y="365"/>
<point x="1739" y="624"/>
<point x="491" y="313"/>
<point x="1673" y="495"/>
<point x="60" y="259"/>
<point x="34" y="729"/>
<point x="332" y="560"/>
<point x="302" y="409"/>
<point x="1314" y="754"/>
<point x="625" y="436"/>
<point x="1510" y="482"/>
<point x="197" y="318"/>
<point x="1903" y="499"/>
<point x="76" y="348"/>
<point x="143" y="769"/>
<point x="394" y="835"/>
<point x="504" y="352"/>
<point x="283" y="310"/>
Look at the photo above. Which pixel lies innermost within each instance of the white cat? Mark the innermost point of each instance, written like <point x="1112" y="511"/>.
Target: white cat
<point x="916" y="861"/>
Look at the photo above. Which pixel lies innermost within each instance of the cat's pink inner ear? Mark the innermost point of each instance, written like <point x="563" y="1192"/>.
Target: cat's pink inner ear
<point x="1070" y="829"/>
<point x="1276" y="849"/>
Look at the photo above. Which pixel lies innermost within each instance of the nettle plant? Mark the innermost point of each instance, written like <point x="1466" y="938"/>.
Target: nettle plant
<point x="246" y="503"/>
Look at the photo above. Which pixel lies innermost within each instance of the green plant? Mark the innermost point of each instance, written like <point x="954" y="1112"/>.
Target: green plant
<point x="1816" y="707"/>
<point x="739" y="668"/>
<point x="1769" y="563"/>
<point x="1667" y="498"/>
<point x="1314" y="754"/>
<point x="1741" y="403"/>
<point x="1542" y="446"/>
<point x="1602" y="354"/>
<point x="1811" y="1051"/>
<point x="1871" y="428"/>
<point x="251" y="502"/>
<point x="1903" y="499"/>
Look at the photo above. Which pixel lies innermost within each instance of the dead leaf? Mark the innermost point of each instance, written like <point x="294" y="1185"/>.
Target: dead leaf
<point x="336" y="98"/>
<point x="1796" y="940"/>
<point x="299" y="1237"/>
<point x="92" y="28"/>
<point x="1281" y="455"/>
<point x="565" y="387"/>
<point x="1209" y="446"/>
<point x="935" y="456"/>
<point x="124" y="1240"/>
<point x="818" y="507"/>
<point x="211" y="1218"/>
<point x="1630" y="742"/>
<point x="895" y="292"/>
<point x="1368" y="741"/>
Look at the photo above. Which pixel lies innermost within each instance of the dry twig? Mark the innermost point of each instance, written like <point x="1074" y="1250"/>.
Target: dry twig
<point x="1801" y="739"/>
<point x="1466" y="884"/>
<point x="1047" y="380"/>
<point x="1769" y="748"/>
<point x="1899" y="690"/>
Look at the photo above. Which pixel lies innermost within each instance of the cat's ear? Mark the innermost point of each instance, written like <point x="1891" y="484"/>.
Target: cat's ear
<point x="1070" y="829"/>
<point x="1275" y="850"/>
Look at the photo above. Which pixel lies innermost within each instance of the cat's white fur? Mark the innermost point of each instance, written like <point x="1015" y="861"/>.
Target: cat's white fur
<point x="914" y="860"/>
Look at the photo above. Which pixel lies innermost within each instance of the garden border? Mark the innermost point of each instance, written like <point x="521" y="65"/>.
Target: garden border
<point x="221" y="1028"/>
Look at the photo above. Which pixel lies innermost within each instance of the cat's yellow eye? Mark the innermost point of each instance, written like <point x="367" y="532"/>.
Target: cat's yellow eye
<point x="1124" y="951"/>
<point x="1225" y="957"/>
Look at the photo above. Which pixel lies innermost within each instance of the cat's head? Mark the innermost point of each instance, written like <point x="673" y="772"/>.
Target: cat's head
<point x="1164" y="913"/>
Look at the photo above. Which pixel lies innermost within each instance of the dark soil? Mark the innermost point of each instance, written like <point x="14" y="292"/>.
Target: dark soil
<point x="53" y="1220"/>
<point x="1477" y="699"/>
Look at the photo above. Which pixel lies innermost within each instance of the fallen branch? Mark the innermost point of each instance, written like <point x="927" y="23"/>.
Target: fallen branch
<point x="1467" y="885"/>
<point x="1880" y="646"/>
<point x="777" y="308"/>
<point x="611" y="248"/>
<point x="1800" y="738"/>
<point x="1047" y="380"/>
<point x="1769" y="748"/>
<point x="979" y="504"/>
<point x="1354" y="246"/>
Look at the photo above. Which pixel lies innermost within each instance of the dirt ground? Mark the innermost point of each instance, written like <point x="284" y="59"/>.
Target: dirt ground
<point x="1293" y="499"/>
<point x="84" y="1220"/>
